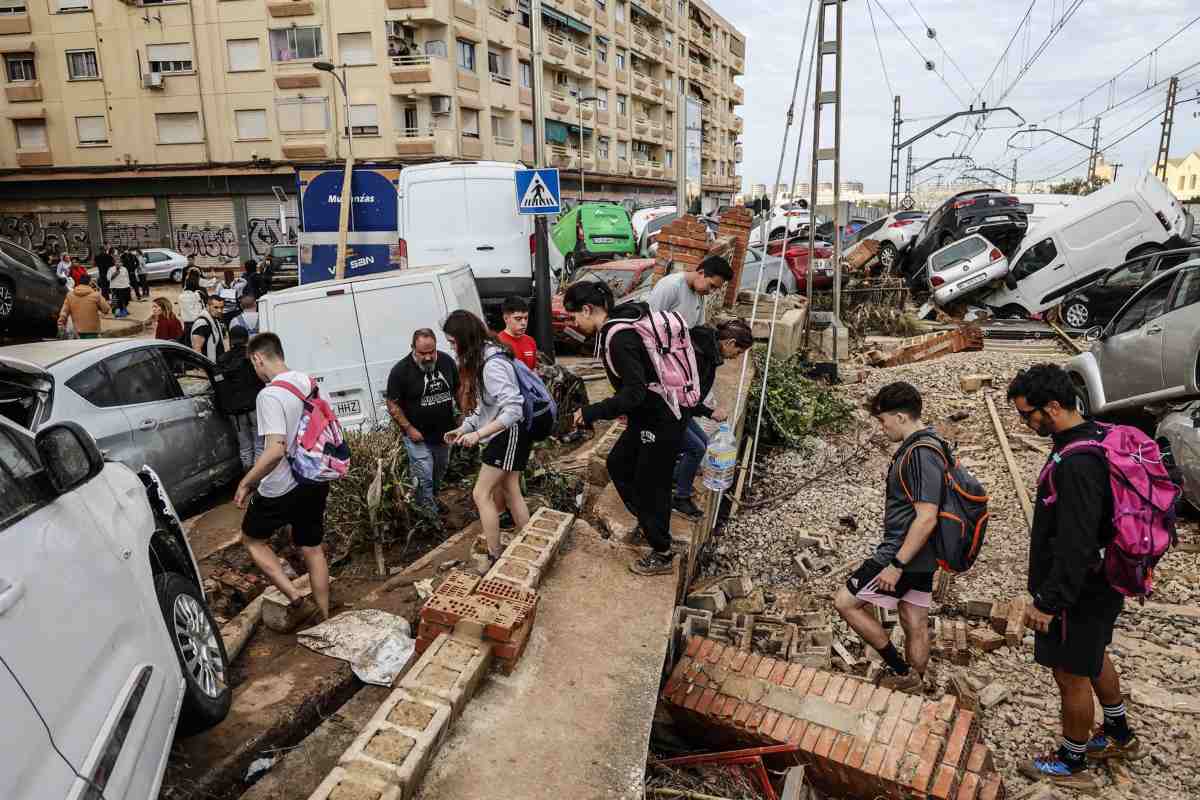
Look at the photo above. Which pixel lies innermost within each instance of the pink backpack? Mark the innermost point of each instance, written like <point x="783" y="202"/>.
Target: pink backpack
<point x="669" y="345"/>
<point x="319" y="453"/>
<point x="1143" y="505"/>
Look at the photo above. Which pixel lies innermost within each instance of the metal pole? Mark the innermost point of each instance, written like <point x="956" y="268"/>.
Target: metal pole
<point x="1095" y="155"/>
<point x="539" y="116"/>
<point x="681" y="148"/>
<point x="543" y="332"/>
<point x="1014" y="174"/>
<point x="339" y="270"/>
<point x="836" y="324"/>
<point x="1164" y="140"/>
<point x="579" y="105"/>
<point x="894" y="172"/>
<point x="346" y="104"/>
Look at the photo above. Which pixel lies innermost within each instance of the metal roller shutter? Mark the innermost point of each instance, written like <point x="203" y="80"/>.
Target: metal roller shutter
<point x="262" y="214"/>
<point x="66" y="231"/>
<point x="204" y="229"/>
<point x="130" y="228"/>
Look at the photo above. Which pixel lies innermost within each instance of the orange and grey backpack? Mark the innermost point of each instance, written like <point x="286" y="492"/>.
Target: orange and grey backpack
<point x="962" y="512"/>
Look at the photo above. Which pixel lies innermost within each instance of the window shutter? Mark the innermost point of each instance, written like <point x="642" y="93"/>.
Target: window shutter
<point x="356" y="48"/>
<point x="31" y="134"/>
<point x="361" y="116"/>
<point x="314" y="115"/>
<point x="169" y="52"/>
<point x="243" y="55"/>
<point x="289" y="116"/>
<point x="251" y="123"/>
<point x="91" y="129"/>
<point x="13" y="4"/>
<point x="178" y="128"/>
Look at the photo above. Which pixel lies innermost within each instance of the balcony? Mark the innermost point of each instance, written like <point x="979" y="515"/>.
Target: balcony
<point x="557" y="48"/>
<point x="583" y="8"/>
<point x="739" y="96"/>
<point x="601" y="20"/>
<point x="421" y="142"/>
<point x="560" y="156"/>
<point x="504" y="148"/>
<point x="695" y="32"/>
<point x="604" y="117"/>
<point x="524" y="37"/>
<point x="407" y="5"/>
<point x="583" y="57"/>
<point x="656" y="7"/>
<point x="500" y="26"/>
<point x="695" y="69"/>
<point x="291" y="8"/>
<point x="14" y="23"/>
<point x="560" y="104"/>
<point x="465" y="12"/>
<point x="737" y="64"/>
<point x="421" y="74"/>
<point x="23" y="92"/>
<point x="622" y="77"/>
<point x="737" y="154"/>
<point x="737" y="124"/>
<point x="621" y="30"/>
<point x="708" y="150"/>
<point x="298" y="80"/>
<point x="525" y="96"/>
<point x="468" y="81"/>
<point x="470" y="146"/>
<point x="305" y="150"/>
<point x="527" y="153"/>
<point x="641" y="128"/>
<point x="622" y="122"/>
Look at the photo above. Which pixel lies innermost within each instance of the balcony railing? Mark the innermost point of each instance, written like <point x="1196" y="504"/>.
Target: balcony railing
<point x="504" y="141"/>
<point x="502" y="14"/>
<point x="415" y="133"/>
<point x="412" y="61"/>
<point x="504" y="80"/>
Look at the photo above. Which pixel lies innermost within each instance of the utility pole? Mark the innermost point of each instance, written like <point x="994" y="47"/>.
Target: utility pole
<point x="908" y="178"/>
<point x="1115" y="167"/>
<point x="543" y="331"/>
<point x="1164" y="141"/>
<point x="1014" y="180"/>
<point x="828" y="98"/>
<point x="1095" y="155"/>
<point x="681" y="117"/>
<point x="894" y="174"/>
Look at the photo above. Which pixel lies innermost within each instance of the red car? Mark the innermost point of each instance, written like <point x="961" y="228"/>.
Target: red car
<point x="629" y="279"/>
<point x="797" y="258"/>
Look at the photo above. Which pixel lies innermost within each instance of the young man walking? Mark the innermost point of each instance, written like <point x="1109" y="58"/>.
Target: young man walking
<point x="82" y="307"/>
<point x="1074" y="607"/>
<point x="237" y="393"/>
<point x="684" y="292"/>
<point x="420" y="398"/>
<point x="269" y="492"/>
<point x="208" y="334"/>
<point x="516" y="322"/>
<point x="899" y="576"/>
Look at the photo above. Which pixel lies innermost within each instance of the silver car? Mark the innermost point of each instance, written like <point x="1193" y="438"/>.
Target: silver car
<point x="964" y="268"/>
<point x="756" y="263"/>
<point x="1149" y="353"/>
<point x="895" y="234"/>
<point x="164" y="265"/>
<point x="146" y="403"/>
<point x="1178" y="435"/>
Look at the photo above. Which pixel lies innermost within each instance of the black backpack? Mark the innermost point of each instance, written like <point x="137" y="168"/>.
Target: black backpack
<point x="236" y="383"/>
<point x="962" y="513"/>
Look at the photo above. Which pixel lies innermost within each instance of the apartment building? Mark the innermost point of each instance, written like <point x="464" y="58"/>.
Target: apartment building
<point x="180" y="122"/>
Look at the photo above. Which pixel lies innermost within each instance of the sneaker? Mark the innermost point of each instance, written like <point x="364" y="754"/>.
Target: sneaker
<point x="685" y="506"/>
<point x="1103" y="747"/>
<point x="911" y="682"/>
<point x="1053" y="769"/>
<point x="654" y="563"/>
<point x="506" y="522"/>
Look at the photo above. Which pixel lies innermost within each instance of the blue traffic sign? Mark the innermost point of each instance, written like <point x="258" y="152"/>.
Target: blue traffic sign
<point x="537" y="191"/>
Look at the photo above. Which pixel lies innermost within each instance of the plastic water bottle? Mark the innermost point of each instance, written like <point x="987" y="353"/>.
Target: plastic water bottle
<point x="720" y="460"/>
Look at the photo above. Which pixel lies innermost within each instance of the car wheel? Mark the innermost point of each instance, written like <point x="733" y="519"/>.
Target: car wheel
<point x="944" y="240"/>
<point x="7" y="300"/>
<point x="176" y="276"/>
<point x="1144" y="250"/>
<point x="887" y="256"/>
<point x="200" y="650"/>
<point x="1076" y="315"/>
<point x="1014" y="311"/>
<point x="774" y="287"/>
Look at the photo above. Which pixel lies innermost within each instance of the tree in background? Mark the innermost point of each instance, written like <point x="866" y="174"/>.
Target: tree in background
<point x="1080" y="186"/>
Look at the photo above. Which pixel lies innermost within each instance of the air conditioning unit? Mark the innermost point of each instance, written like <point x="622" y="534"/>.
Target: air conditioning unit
<point x="152" y="80"/>
<point x="441" y="104"/>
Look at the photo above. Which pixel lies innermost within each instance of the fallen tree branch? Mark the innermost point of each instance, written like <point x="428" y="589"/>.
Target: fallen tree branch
<point x="664" y="792"/>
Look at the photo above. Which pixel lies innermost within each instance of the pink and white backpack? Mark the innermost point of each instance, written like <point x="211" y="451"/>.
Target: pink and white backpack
<point x="669" y="344"/>
<point x="319" y="453"/>
<point x="1144" y="498"/>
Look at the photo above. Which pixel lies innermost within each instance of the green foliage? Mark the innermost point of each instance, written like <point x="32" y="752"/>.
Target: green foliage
<point x="1077" y="186"/>
<point x="796" y="407"/>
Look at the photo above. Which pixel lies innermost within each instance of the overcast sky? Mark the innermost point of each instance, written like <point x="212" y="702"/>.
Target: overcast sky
<point x="1100" y="39"/>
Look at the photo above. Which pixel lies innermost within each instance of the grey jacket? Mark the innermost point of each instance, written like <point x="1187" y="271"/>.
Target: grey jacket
<point x="499" y="395"/>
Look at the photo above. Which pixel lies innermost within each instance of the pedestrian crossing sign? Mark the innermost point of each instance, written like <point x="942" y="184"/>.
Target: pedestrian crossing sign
<point x="537" y="191"/>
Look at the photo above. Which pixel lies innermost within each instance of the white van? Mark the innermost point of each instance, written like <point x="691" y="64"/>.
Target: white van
<point x="466" y="211"/>
<point x="1074" y="247"/>
<point x="349" y="334"/>
<point x="1044" y="206"/>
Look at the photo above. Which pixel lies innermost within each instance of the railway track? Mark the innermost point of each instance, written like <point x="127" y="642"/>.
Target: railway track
<point x="1050" y="342"/>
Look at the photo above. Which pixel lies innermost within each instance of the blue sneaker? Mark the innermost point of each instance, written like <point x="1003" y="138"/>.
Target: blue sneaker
<point x="1052" y="769"/>
<point x="1103" y="747"/>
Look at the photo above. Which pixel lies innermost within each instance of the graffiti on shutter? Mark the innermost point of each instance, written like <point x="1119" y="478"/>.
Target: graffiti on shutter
<point x="203" y="230"/>
<point x="46" y="232"/>
<point x="130" y="229"/>
<point x="262" y="213"/>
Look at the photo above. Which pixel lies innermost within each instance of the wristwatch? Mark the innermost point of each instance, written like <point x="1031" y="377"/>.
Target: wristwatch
<point x="897" y="563"/>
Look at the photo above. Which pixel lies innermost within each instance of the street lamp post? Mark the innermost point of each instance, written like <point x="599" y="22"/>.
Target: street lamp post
<point x="579" y="101"/>
<point x="325" y="66"/>
<point x="347" y="194"/>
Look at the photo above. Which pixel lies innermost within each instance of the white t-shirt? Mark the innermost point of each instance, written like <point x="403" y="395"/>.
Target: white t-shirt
<point x="279" y="413"/>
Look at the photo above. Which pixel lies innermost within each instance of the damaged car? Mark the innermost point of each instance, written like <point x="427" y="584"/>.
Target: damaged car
<point x="998" y="216"/>
<point x="1178" y="437"/>
<point x="1095" y="303"/>
<point x="964" y="268"/>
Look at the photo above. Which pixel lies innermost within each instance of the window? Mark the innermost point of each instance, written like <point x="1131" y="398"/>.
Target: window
<point x="302" y="114"/>
<point x="294" y="44"/>
<point x="1034" y="259"/>
<point x="244" y="55"/>
<point x="466" y="55"/>
<point x="620" y="58"/>
<point x="601" y="98"/>
<point x="139" y="377"/>
<point x="435" y="48"/>
<point x="497" y="64"/>
<point x="1193" y="186"/>
<point x="526" y="70"/>
<point x="527" y="133"/>
<point x="169" y="58"/>
<point x="682" y="8"/>
<point x="668" y="40"/>
<point x="1188" y="291"/>
<point x="670" y="159"/>
<point x="31" y="134"/>
<point x="20" y="67"/>
<point x="12" y="7"/>
<point x="669" y="84"/>
<point x="179" y="128"/>
<point x="601" y="7"/>
<point x="1147" y="306"/>
<point x="470" y="123"/>
<point x="93" y="385"/>
<point x="364" y="120"/>
<point x="622" y="105"/>
<point x="1130" y="275"/>
<point x="561" y="80"/>
<point x="499" y="128"/>
<point x="355" y="48"/>
<point x="602" y="53"/>
<point x="410" y="122"/>
<point x="602" y="148"/>
<point x="91" y="130"/>
<point x="82" y="65"/>
<point x="65" y="6"/>
<point x="956" y="253"/>
<point x="19" y="494"/>
<point x="623" y="150"/>
<point x="251" y="123"/>
<point x="620" y="11"/>
<point x="1182" y="181"/>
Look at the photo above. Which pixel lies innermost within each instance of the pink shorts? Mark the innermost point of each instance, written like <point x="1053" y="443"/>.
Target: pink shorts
<point x="914" y="588"/>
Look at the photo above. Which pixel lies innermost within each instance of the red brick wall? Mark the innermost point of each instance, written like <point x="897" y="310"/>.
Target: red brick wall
<point x="736" y="222"/>
<point x="684" y="241"/>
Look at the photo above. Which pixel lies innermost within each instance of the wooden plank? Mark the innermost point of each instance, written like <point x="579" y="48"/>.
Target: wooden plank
<point x="1018" y="484"/>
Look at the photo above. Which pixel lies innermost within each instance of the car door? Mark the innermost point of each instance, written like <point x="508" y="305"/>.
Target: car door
<point x="869" y="231"/>
<point x="217" y="457"/>
<point x="92" y="402"/>
<point x="158" y="263"/>
<point x="161" y="419"/>
<point x="37" y="292"/>
<point x="1132" y="363"/>
<point x="74" y="631"/>
<point x="1038" y="270"/>
<point x="1108" y="294"/>
<point x="1181" y="333"/>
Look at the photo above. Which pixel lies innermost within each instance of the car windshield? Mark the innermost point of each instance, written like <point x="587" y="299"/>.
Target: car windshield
<point x="621" y="281"/>
<point x="956" y="253"/>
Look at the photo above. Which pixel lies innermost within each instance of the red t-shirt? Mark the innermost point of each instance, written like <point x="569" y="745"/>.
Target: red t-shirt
<point x="523" y="347"/>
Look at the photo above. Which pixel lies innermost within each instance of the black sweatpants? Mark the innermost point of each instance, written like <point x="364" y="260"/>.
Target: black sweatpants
<point x="642" y="468"/>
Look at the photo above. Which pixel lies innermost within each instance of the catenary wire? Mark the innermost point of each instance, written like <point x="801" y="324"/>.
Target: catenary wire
<point x="879" y="49"/>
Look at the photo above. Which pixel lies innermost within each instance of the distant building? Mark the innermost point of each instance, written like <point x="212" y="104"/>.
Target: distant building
<point x="1183" y="175"/>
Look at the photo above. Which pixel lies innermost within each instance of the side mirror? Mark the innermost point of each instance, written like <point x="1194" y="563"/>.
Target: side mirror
<point x="62" y="281"/>
<point x="1010" y="282"/>
<point x="69" y="455"/>
<point x="1094" y="334"/>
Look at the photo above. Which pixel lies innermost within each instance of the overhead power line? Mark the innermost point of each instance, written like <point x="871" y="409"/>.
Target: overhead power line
<point x="932" y="34"/>
<point x="879" y="49"/>
<point x="925" y="60"/>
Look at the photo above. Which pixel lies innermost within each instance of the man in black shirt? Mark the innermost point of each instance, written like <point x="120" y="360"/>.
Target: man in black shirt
<point x="1074" y="608"/>
<point x="899" y="576"/>
<point x="420" y="398"/>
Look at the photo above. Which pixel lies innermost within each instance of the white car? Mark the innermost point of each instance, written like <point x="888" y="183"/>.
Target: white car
<point x="895" y="234"/>
<point x="164" y="265"/>
<point x="963" y="268"/>
<point x="108" y="644"/>
<point x="1178" y="436"/>
<point x="788" y="218"/>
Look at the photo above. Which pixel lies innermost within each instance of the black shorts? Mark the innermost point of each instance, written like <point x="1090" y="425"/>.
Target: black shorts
<point x="1078" y="637"/>
<point x="303" y="508"/>
<point x="914" y="588"/>
<point x="509" y="450"/>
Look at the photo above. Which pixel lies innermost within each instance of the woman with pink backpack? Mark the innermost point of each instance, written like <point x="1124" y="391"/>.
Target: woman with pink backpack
<point x="653" y="384"/>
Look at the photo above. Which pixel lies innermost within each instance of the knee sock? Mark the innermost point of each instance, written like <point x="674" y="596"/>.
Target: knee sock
<point x="893" y="659"/>
<point x="1073" y="754"/>
<point x="1115" y="722"/>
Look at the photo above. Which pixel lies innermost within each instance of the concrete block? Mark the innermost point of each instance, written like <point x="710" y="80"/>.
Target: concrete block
<point x="701" y="619"/>
<point x="613" y="516"/>
<point x="400" y="741"/>
<point x="737" y="586"/>
<point x="973" y="383"/>
<point x="985" y="639"/>
<point x="277" y="612"/>
<point x="976" y="609"/>
<point x="530" y="554"/>
<point x="825" y="343"/>
<point x="755" y="603"/>
<point x="712" y="600"/>
<point x="789" y="330"/>
<point x="597" y="474"/>
<point x="450" y="670"/>
<point x="522" y="574"/>
<point x="354" y="784"/>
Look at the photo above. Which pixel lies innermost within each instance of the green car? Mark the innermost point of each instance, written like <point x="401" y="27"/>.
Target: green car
<point x="607" y="234"/>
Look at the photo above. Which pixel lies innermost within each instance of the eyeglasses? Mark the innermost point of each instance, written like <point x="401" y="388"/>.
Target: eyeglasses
<point x="1025" y="415"/>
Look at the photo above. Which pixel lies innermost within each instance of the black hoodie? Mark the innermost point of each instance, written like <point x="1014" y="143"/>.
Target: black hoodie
<point x="708" y="360"/>
<point x="630" y="373"/>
